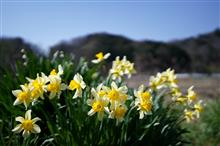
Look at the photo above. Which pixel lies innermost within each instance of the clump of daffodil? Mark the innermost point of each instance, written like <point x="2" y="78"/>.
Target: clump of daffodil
<point x="27" y="124"/>
<point x="118" y="111"/>
<point x="143" y="101"/>
<point x="100" y="57"/>
<point x="115" y="93"/>
<point x="177" y="96"/>
<point x="23" y="96"/>
<point x="55" y="86"/>
<point x="121" y="68"/>
<point x="77" y="84"/>
<point x="38" y="86"/>
<point x="166" y="78"/>
<point x="99" y="104"/>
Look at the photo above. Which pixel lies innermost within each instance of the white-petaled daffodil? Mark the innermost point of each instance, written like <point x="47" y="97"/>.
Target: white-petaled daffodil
<point x="38" y="86"/>
<point x="23" y="96"/>
<point x="143" y="102"/>
<point x="100" y="57"/>
<point x="27" y="124"/>
<point x="55" y="86"/>
<point x="77" y="84"/>
<point x="99" y="105"/>
<point x="116" y="93"/>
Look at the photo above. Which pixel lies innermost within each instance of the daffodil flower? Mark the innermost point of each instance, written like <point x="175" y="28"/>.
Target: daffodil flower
<point x="27" y="124"/>
<point x="118" y="111"/>
<point x="189" y="115"/>
<point x="164" y="79"/>
<point x="121" y="68"/>
<point x="191" y="95"/>
<point x="116" y="93"/>
<point x="38" y="86"/>
<point x="77" y="84"/>
<point x="198" y="107"/>
<point x="59" y="73"/>
<point x="23" y="96"/>
<point x="98" y="104"/>
<point x="55" y="86"/>
<point x="100" y="57"/>
<point x="143" y="102"/>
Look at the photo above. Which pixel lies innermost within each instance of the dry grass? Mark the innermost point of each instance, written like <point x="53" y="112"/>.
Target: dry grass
<point x="204" y="86"/>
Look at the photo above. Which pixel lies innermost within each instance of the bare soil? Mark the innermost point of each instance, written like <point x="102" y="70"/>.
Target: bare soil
<point x="206" y="87"/>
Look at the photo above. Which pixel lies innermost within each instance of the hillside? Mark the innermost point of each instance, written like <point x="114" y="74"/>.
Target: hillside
<point x="196" y="54"/>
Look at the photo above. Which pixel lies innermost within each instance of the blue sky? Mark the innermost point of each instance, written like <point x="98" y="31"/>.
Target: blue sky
<point x="48" y="22"/>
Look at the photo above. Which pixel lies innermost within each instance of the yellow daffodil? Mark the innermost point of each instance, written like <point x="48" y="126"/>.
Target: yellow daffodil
<point x="116" y="93"/>
<point x="55" y="87"/>
<point x="118" y="111"/>
<point x="99" y="105"/>
<point x="166" y="78"/>
<point x="55" y="73"/>
<point x="121" y="68"/>
<point x="189" y="115"/>
<point x="100" y="57"/>
<point x="23" y="96"/>
<point x="27" y="124"/>
<point x="143" y="102"/>
<point x="38" y="86"/>
<point x="77" y="84"/>
<point x="191" y="95"/>
<point x="181" y="100"/>
<point x="102" y="93"/>
<point x="198" y="108"/>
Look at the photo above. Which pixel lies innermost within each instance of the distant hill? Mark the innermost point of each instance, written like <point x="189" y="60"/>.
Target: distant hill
<point x="204" y="51"/>
<point x="194" y="54"/>
<point x="10" y="50"/>
<point x="197" y="54"/>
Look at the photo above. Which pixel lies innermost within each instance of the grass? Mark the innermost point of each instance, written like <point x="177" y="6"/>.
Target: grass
<point x="206" y="131"/>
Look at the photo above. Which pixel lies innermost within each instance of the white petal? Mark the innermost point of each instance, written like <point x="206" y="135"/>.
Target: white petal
<point x="36" y="129"/>
<point x="17" y="101"/>
<point x="107" y="55"/>
<point x="25" y="133"/>
<point x="19" y="119"/>
<point x="16" y="92"/>
<point x="114" y="86"/>
<point x="106" y="109"/>
<point x="123" y="89"/>
<point x="77" y="77"/>
<point x="91" y="112"/>
<point x="94" y="93"/>
<point x="36" y="119"/>
<point x="95" y="61"/>
<point x="82" y="84"/>
<point x="17" y="128"/>
<point x="28" y="115"/>
<point x="141" y="115"/>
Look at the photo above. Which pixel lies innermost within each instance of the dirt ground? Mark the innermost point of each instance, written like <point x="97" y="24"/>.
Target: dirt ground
<point x="206" y="87"/>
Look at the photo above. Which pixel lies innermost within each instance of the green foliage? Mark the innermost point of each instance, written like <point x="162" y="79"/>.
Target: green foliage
<point x="65" y="121"/>
<point x="206" y="132"/>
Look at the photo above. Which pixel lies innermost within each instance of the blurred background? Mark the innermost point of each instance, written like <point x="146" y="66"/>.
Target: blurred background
<point x="155" y="35"/>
